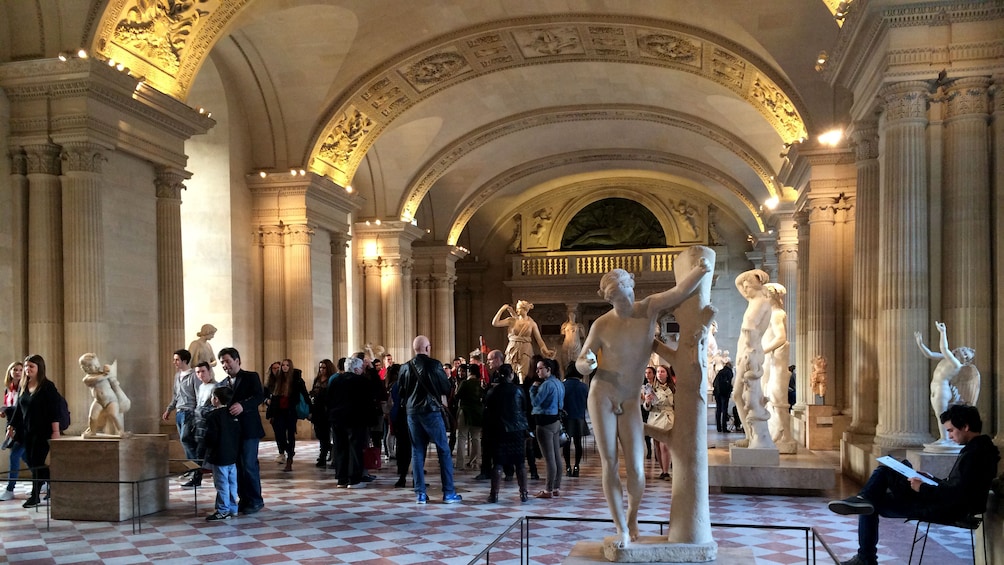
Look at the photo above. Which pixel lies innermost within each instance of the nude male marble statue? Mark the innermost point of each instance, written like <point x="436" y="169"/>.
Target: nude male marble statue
<point x="621" y="340"/>
<point x="747" y="391"/>
<point x="956" y="379"/>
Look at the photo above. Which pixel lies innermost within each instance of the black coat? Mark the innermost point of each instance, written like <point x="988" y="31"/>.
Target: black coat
<point x="505" y="409"/>
<point x="250" y="394"/>
<point x="32" y="419"/>
<point x="222" y="437"/>
<point x="423" y="383"/>
<point x="350" y="401"/>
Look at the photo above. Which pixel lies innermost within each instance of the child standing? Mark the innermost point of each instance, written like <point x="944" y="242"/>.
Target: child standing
<point x="222" y="439"/>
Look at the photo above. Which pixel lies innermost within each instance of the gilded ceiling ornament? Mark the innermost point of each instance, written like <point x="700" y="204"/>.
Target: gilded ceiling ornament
<point x="345" y="137"/>
<point x="777" y="104"/>
<point x="668" y="47"/>
<point x="436" y="68"/>
<point x="158" y="30"/>
<point x="729" y="68"/>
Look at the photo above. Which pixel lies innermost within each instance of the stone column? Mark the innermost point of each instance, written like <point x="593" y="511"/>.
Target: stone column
<point x="966" y="294"/>
<point x="273" y="293"/>
<point x="423" y="306"/>
<point x="170" y="277"/>
<point x="997" y="132"/>
<point x="397" y="330"/>
<point x="802" y="358"/>
<point x="904" y="265"/>
<point x="372" y="302"/>
<point x="864" y="344"/>
<point x="787" y="273"/>
<point x="299" y="311"/>
<point x="443" y="321"/>
<point x="843" y="265"/>
<point x="820" y="292"/>
<point x="45" y="259"/>
<point x="339" y="292"/>
<point x="18" y="321"/>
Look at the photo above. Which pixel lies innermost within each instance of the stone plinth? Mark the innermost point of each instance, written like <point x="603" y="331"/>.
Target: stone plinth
<point x="755" y="456"/>
<point x="130" y="458"/>
<point x="801" y="472"/>
<point x="823" y="428"/>
<point x="591" y="553"/>
<point x="936" y="464"/>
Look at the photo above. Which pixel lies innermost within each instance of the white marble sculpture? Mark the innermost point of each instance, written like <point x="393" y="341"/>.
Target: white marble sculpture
<point x="107" y="412"/>
<point x="200" y="348"/>
<point x="523" y="332"/>
<point x="747" y="391"/>
<point x="956" y="380"/>
<point x="775" y="369"/>
<point x="572" y="333"/>
<point x="622" y="340"/>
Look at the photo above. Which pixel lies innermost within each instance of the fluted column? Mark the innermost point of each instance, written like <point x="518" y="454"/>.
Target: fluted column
<point x="298" y="283"/>
<point x="844" y="265"/>
<point x="18" y="322"/>
<point x="45" y="258"/>
<point x="339" y="293"/>
<point x="820" y="290"/>
<point x="423" y="306"/>
<point x="904" y="265"/>
<point x="398" y="333"/>
<point x="444" y="321"/>
<point x="170" y="277"/>
<point x="802" y="359"/>
<point x="408" y="301"/>
<point x="373" y="301"/>
<point x="273" y="292"/>
<point x="787" y="276"/>
<point x="966" y="234"/>
<point x="864" y="338"/>
<point x="997" y="132"/>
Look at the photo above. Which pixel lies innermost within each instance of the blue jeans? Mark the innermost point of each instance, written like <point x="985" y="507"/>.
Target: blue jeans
<point x="425" y="428"/>
<point x="891" y="495"/>
<point x="225" y="481"/>
<point x="190" y="447"/>
<point x="16" y="456"/>
<point x="248" y="474"/>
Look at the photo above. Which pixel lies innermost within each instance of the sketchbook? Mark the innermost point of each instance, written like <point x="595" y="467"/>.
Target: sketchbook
<point x="904" y="470"/>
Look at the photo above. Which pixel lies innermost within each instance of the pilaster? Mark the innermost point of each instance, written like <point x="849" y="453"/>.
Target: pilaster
<point x="339" y="292"/>
<point x="438" y="265"/>
<point x="18" y="232"/>
<point x="966" y="233"/>
<point x="820" y="289"/>
<point x="273" y="293"/>
<point x="903" y="286"/>
<point x="802" y="359"/>
<point x="997" y="145"/>
<point x="299" y="313"/>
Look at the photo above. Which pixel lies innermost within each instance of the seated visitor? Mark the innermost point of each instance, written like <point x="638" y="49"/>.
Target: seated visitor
<point x="889" y="494"/>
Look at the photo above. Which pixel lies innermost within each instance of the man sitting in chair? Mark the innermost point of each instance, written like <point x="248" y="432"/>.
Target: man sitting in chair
<point x="963" y="493"/>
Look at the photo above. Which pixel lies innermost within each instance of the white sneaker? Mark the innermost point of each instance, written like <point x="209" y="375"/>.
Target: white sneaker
<point x="7" y="495"/>
<point x="281" y="458"/>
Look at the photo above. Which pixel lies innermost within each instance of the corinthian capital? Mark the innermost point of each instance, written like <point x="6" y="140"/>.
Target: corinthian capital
<point x="82" y="157"/>
<point x="822" y="210"/>
<point x="42" y="159"/>
<point x="18" y="161"/>
<point x="967" y="96"/>
<point x="906" y="100"/>
<point x="865" y="139"/>
<point x="298" y="234"/>
<point x="169" y="183"/>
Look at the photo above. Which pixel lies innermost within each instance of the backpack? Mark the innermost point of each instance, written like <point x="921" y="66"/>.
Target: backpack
<point x="64" y="413"/>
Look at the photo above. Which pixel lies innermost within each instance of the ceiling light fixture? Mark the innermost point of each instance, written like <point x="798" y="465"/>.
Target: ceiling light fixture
<point x="831" y="138"/>
<point x="821" y="61"/>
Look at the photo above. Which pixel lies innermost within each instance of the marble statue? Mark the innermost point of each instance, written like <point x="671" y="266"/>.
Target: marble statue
<point x="617" y="347"/>
<point x="714" y="353"/>
<point x="573" y="334"/>
<point x="107" y="413"/>
<point x="956" y="379"/>
<point x="775" y="369"/>
<point x="522" y="329"/>
<point x="200" y="348"/>
<point x="817" y="379"/>
<point x="516" y="243"/>
<point x="747" y="391"/>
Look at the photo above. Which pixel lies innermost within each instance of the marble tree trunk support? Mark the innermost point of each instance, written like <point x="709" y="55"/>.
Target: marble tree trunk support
<point x="689" y="515"/>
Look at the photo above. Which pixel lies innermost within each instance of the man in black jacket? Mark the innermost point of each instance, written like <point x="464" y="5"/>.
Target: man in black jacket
<point x="889" y="494"/>
<point x="723" y="391"/>
<point x="248" y="395"/>
<point x="425" y="386"/>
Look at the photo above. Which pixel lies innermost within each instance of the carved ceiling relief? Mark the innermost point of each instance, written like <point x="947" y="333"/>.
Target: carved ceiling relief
<point x="549" y="41"/>
<point x="434" y="69"/>
<point x="669" y="47"/>
<point x="158" y="30"/>
<point x="690" y="221"/>
<point x="341" y="143"/>
<point x="774" y="104"/>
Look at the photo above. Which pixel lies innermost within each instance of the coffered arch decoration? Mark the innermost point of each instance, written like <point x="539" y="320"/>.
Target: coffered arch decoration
<point x="440" y="163"/>
<point x="367" y="108"/>
<point x="480" y="196"/>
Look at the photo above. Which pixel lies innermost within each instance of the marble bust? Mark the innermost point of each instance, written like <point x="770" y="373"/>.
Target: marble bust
<point x="107" y="412"/>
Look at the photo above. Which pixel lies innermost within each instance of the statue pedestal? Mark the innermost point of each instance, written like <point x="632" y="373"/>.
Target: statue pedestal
<point x="130" y="458"/>
<point x="755" y="457"/>
<point x="591" y="553"/>
<point x="803" y="473"/>
<point x="937" y="464"/>
<point x="823" y="429"/>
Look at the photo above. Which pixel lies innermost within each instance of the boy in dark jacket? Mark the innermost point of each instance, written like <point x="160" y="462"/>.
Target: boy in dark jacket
<point x="221" y="440"/>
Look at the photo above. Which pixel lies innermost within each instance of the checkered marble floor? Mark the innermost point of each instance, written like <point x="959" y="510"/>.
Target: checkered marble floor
<point x="307" y="520"/>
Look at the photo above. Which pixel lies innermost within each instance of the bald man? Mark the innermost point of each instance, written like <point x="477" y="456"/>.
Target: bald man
<point x="424" y="386"/>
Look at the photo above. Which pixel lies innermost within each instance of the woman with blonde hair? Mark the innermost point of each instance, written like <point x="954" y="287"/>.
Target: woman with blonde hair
<point x="659" y="402"/>
<point x="11" y="390"/>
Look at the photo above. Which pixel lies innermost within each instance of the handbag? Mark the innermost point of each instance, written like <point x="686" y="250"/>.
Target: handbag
<point x="303" y="408"/>
<point x="371" y="458"/>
